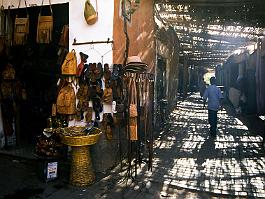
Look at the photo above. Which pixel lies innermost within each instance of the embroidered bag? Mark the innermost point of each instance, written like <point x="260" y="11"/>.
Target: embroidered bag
<point x="66" y="100"/>
<point x="69" y="66"/>
<point x="45" y="27"/>
<point x="21" y="29"/>
<point x="90" y="14"/>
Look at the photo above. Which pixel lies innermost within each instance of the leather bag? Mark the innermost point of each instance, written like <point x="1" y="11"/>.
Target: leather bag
<point x="88" y="115"/>
<point x="133" y="129"/>
<point x="90" y="13"/>
<point x="21" y="29"/>
<point x="107" y="96"/>
<point x="9" y="72"/>
<point x="133" y="126"/>
<point x="83" y="92"/>
<point x="107" y="123"/>
<point x="120" y="108"/>
<point x="66" y="100"/>
<point x="133" y="105"/>
<point x="9" y="28"/>
<point x="2" y="21"/>
<point x="45" y="27"/>
<point x="69" y="66"/>
<point x="64" y="38"/>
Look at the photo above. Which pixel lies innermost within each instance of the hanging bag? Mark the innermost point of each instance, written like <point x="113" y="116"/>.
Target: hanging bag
<point x="69" y="66"/>
<point x="8" y="28"/>
<point x="90" y="14"/>
<point x="64" y="38"/>
<point x="9" y="72"/>
<point x="66" y="100"/>
<point x="45" y="27"/>
<point x="21" y="29"/>
<point x="133" y="112"/>
<point x="133" y="104"/>
<point x="107" y="125"/>
<point x="2" y="21"/>
<point x="107" y="96"/>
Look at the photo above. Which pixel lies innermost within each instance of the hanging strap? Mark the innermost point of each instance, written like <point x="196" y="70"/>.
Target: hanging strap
<point x="26" y="6"/>
<point x="133" y="99"/>
<point x="146" y="106"/>
<point x="97" y="6"/>
<point x="42" y="6"/>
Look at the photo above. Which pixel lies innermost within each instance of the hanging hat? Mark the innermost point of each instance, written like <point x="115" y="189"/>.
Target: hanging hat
<point x="135" y="64"/>
<point x="83" y="57"/>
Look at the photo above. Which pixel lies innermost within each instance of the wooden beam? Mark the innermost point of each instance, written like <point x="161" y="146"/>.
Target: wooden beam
<point x="200" y="48"/>
<point x="213" y="37"/>
<point x="189" y="42"/>
<point x="193" y="25"/>
<point x="207" y="57"/>
<point x="164" y="11"/>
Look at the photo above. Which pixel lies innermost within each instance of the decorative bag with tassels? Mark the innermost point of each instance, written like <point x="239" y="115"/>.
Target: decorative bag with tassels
<point x="21" y="29"/>
<point x="90" y="14"/>
<point x="69" y="66"/>
<point x="45" y="27"/>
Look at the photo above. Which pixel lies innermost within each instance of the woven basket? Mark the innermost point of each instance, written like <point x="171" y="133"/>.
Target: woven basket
<point x="82" y="172"/>
<point x="82" y="140"/>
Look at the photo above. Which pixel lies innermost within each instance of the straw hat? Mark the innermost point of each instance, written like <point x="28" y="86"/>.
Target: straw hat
<point x="134" y="59"/>
<point x="135" y="64"/>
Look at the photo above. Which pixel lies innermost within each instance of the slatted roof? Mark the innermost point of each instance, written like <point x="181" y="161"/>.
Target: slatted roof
<point x="211" y="30"/>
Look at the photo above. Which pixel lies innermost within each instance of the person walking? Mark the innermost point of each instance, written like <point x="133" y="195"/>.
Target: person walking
<point x="215" y="98"/>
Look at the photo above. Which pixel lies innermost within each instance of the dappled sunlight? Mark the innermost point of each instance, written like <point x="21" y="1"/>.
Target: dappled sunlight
<point x="186" y="156"/>
<point x="251" y="139"/>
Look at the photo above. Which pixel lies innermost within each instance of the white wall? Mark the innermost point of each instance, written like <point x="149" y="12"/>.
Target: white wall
<point x="14" y="3"/>
<point x="100" y="31"/>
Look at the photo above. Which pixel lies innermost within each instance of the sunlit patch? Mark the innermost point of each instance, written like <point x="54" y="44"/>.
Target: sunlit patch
<point x="187" y="156"/>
